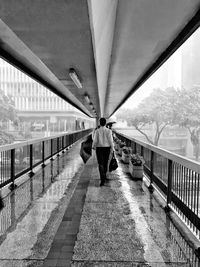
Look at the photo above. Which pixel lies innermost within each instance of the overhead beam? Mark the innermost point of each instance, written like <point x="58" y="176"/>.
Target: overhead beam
<point x="102" y="16"/>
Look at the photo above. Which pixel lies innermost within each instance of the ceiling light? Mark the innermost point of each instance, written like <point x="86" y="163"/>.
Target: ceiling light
<point x="87" y="98"/>
<point x="73" y="75"/>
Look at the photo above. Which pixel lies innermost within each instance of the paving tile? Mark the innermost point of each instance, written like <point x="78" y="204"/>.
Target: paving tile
<point x="63" y="263"/>
<point x="124" y="264"/>
<point x="53" y="254"/>
<point x="59" y="237"/>
<point x="50" y="263"/>
<point x="67" y="218"/>
<point x="66" y="255"/>
<point x="67" y="248"/>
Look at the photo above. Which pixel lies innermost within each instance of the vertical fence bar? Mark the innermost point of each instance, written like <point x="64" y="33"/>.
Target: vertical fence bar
<point x="151" y="189"/>
<point x="31" y="161"/>
<point x="58" y="155"/>
<point x="198" y="177"/>
<point x="135" y="148"/>
<point x="63" y="145"/>
<point x="67" y="142"/>
<point x="142" y="151"/>
<point x="169" y="185"/>
<point x="12" y="172"/>
<point x="189" y="193"/>
<point x="43" y="154"/>
<point x="181" y="182"/>
<point x="51" y="149"/>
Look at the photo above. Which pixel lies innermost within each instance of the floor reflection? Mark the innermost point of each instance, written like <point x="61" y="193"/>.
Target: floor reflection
<point x="162" y="241"/>
<point x="30" y="208"/>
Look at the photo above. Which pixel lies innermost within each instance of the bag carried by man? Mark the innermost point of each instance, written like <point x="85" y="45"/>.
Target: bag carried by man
<point x="86" y="149"/>
<point x="113" y="165"/>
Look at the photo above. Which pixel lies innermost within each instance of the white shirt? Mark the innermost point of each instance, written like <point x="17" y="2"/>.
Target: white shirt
<point x="103" y="138"/>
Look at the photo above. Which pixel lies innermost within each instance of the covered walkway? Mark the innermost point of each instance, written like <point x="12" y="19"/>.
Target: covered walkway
<point x="61" y="217"/>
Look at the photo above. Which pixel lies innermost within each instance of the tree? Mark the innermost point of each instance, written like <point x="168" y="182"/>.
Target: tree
<point x="125" y="115"/>
<point x="159" y="109"/>
<point x="189" y="115"/>
<point x="7" y="113"/>
<point x="168" y="107"/>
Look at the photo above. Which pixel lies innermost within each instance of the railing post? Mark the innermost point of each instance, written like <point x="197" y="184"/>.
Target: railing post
<point x="58" y="155"/>
<point x="51" y="149"/>
<point x="142" y="151"/>
<point x="151" y="189"/>
<point x="31" y="173"/>
<point x="134" y="147"/>
<point x="63" y="147"/>
<point x="12" y="172"/>
<point x="169" y="186"/>
<point x="43" y="154"/>
<point x="67" y="142"/>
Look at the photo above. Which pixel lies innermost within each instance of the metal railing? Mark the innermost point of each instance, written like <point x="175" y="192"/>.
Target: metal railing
<point x="175" y="177"/>
<point x="21" y="158"/>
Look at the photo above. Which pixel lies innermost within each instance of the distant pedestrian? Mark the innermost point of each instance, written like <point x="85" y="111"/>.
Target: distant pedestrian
<point x="104" y="146"/>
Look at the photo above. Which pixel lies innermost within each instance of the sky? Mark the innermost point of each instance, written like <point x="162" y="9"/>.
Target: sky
<point x="144" y="91"/>
<point x="169" y="74"/>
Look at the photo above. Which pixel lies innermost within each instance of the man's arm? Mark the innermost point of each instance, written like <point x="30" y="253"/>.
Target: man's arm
<point x="111" y="140"/>
<point x="94" y="143"/>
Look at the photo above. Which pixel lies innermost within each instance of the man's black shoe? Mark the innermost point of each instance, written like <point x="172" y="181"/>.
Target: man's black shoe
<point x="102" y="183"/>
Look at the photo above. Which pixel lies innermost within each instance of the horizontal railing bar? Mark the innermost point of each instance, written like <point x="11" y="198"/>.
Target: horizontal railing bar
<point x="13" y="167"/>
<point x="191" y="164"/>
<point x="33" y="141"/>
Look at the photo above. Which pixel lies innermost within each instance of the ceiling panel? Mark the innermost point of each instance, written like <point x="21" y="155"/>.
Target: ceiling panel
<point x="58" y="34"/>
<point x="143" y="30"/>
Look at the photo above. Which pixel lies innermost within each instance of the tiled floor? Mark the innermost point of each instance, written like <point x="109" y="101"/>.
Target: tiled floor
<point x="61" y="250"/>
<point x="69" y="220"/>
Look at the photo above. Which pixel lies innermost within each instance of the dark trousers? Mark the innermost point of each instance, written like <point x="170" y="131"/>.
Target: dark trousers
<point x="102" y="159"/>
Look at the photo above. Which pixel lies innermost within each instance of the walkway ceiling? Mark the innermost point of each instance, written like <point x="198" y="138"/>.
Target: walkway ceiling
<point x="114" y="45"/>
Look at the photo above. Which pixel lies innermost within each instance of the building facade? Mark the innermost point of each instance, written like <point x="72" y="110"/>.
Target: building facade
<point x="40" y="111"/>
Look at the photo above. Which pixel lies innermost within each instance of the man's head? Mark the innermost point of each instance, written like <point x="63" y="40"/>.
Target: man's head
<point x="102" y="121"/>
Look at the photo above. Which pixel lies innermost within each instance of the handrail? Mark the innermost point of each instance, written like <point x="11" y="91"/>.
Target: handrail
<point x="195" y="166"/>
<point x="18" y="159"/>
<point x="35" y="140"/>
<point x="175" y="177"/>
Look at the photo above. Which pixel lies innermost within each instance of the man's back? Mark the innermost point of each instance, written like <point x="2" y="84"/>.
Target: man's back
<point x="103" y="138"/>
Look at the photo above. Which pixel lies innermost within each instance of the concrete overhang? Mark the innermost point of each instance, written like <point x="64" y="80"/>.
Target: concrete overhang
<point x="114" y="45"/>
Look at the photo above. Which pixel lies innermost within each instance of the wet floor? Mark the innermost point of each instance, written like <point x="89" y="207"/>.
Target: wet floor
<point x="33" y="212"/>
<point x="121" y="223"/>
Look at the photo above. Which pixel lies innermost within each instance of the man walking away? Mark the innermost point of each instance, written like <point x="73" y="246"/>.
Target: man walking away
<point x="103" y="144"/>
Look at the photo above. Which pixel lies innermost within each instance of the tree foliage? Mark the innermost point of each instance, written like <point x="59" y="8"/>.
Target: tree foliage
<point x="7" y="113"/>
<point x="159" y="109"/>
<point x="189" y="115"/>
<point x="167" y="107"/>
<point x="7" y="108"/>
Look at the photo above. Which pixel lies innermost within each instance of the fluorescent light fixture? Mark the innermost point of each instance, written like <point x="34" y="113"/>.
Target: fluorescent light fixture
<point x="73" y="75"/>
<point x="87" y="98"/>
